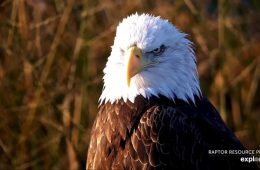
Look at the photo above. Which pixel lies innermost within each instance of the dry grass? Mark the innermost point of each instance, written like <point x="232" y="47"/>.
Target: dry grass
<point x="52" y="54"/>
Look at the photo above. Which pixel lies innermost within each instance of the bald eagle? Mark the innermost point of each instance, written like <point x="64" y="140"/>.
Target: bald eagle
<point x="152" y="114"/>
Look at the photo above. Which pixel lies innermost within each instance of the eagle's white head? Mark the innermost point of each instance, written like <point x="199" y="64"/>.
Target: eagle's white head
<point x="150" y="57"/>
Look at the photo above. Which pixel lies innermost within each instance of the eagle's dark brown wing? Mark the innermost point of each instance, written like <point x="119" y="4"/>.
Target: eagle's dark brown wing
<point x="162" y="135"/>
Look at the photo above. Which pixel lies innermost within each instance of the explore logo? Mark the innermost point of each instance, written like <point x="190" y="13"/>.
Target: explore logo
<point x="250" y="159"/>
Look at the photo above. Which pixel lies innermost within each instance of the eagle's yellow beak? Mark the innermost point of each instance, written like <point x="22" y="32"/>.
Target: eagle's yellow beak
<point x="134" y="63"/>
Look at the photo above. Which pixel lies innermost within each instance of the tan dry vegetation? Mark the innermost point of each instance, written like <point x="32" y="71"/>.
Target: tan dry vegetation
<point x="52" y="54"/>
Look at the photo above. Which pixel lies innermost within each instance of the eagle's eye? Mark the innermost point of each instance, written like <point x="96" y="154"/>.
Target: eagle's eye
<point x="159" y="51"/>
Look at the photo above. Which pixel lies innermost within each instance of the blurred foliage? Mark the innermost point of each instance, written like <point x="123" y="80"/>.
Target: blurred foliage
<point x="52" y="54"/>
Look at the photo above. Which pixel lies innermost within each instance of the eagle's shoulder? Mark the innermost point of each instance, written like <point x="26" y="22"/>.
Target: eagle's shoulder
<point x="169" y="133"/>
<point x="113" y="127"/>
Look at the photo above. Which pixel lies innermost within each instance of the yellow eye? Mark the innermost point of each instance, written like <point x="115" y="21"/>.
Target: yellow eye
<point x="159" y="51"/>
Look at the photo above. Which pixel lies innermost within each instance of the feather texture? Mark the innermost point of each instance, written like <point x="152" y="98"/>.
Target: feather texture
<point x="163" y="135"/>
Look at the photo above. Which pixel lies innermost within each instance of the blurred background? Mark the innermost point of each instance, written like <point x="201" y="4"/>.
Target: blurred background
<point x="52" y="54"/>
